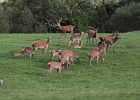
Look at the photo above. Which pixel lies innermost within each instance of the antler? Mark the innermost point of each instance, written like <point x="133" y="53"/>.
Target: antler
<point x="60" y="20"/>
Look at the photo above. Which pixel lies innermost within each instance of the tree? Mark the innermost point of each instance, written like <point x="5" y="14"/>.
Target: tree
<point x="3" y="22"/>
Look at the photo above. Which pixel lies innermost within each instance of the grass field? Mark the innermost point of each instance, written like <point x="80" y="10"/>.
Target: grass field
<point x="117" y="79"/>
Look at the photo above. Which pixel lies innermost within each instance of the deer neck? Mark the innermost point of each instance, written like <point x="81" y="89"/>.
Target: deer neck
<point x="48" y="41"/>
<point x="115" y="39"/>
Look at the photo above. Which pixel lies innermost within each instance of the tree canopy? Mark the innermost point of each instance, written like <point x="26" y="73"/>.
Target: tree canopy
<point x="40" y="16"/>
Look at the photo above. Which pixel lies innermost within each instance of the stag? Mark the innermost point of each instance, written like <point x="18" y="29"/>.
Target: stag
<point x="110" y="40"/>
<point x="64" y="29"/>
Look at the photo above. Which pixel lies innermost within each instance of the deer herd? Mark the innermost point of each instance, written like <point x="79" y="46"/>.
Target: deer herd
<point x="65" y="57"/>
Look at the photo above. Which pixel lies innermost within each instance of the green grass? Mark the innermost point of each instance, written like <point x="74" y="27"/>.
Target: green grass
<point x="117" y="79"/>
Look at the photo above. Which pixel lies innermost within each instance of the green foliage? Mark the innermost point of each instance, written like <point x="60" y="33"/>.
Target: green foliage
<point x="32" y="15"/>
<point x="117" y="79"/>
<point x="4" y="28"/>
<point x="127" y="18"/>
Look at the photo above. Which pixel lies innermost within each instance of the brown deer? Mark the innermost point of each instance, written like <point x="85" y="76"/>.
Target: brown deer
<point x="95" y="53"/>
<point x="60" y="53"/>
<point x="57" y="65"/>
<point x="41" y="45"/>
<point x="76" y="38"/>
<point x="20" y="53"/>
<point x="92" y="34"/>
<point x="102" y="48"/>
<point x="53" y="54"/>
<point x="64" y="29"/>
<point x="78" y="45"/>
<point x="109" y="40"/>
<point x="30" y="51"/>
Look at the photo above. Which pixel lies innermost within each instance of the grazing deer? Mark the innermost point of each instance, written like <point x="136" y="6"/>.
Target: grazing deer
<point x="20" y="53"/>
<point x="76" y="38"/>
<point x="102" y="48"/>
<point x="30" y="51"/>
<point x="41" y="45"/>
<point x="57" y="65"/>
<point x="53" y="54"/>
<point x="67" y="55"/>
<point x="95" y="53"/>
<point x="92" y="34"/>
<point x="64" y="29"/>
<point x="1" y="81"/>
<point x="109" y="40"/>
<point x="78" y="45"/>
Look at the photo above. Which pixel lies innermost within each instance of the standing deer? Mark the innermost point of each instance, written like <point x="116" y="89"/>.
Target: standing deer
<point x="57" y="65"/>
<point x="102" y="48"/>
<point x="95" y="53"/>
<point x="76" y="38"/>
<point x="41" y="45"/>
<point x="30" y="51"/>
<point x="92" y="34"/>
<point x="64" y="29"/>
<point x="109" y="40"/>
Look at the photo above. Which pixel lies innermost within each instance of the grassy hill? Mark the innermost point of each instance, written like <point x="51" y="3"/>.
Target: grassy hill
<point x="117" y="79"/>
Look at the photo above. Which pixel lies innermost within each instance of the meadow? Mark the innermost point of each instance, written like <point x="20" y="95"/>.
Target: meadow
<point x="117" y="79"/>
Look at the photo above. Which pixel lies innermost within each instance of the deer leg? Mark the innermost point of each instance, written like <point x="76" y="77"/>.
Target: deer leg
<point x="71" y="41"/>
<point x="25" y="57"/>
<point x="90" y="60"/>
<point x="71" y="59"/>
<point x="65" y="34"/>
<point x="113" y="48"/>
<point x="105" y="53"/>
<point x="97" y="60"/>
<point x="60" y="70"/>
<point x="57" y="72"/>
<point x="50" y="71"/>
<point x="107" y="46"/>
<point x="61" y="34"/>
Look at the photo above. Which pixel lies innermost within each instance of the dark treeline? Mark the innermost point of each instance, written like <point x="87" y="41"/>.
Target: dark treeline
<point x="40" y="16"/>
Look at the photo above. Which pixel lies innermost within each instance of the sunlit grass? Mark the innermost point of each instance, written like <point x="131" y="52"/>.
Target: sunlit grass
<point x="118" y="78"/>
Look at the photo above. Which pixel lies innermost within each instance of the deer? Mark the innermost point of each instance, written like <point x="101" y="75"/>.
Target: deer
<point x="78" y="45"/>
<point x="41" y="45"/>
<point x="60" y="53"/>
<point x="65" y="58"/>
<point x="102" y="48"/>
<point x="76" y="38"/>
<point x="92" y="34"/>
<point x="1" y="81"/>
<point x="64" y="29"/>
<point x="20" y="53"/>
<point x="53" y="54"/>
<point x="95" y="53"/>
<point x="68" y="57"/>
<point x="30" y="51"/>
<point x="57" y="65"/>
<point x="109" y="40"/>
